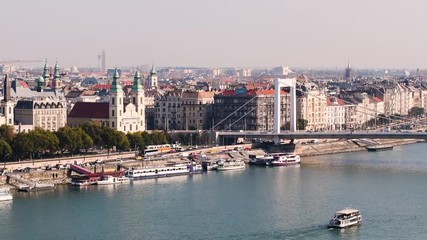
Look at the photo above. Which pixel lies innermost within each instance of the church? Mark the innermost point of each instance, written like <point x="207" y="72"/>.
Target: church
<point x="122" y="113"/>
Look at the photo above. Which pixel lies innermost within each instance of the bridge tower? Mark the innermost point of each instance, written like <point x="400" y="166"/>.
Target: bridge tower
<point x="278" y="83"/>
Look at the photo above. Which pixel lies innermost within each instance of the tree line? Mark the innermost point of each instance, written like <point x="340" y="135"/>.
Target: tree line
<point x="71" y="140"/>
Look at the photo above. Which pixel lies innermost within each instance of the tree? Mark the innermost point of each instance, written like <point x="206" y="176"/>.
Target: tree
<point x="44" y="141"/>
<point x="93" y="129"/>
<point x="86" y="140"/>
<point x="5" y="150"/>
<point x="73" y="139"/>
<point x="122" y="142"/>
<point x="135" y="140"/>
<point x="7" y="133"/>
<point x="301" y="125"/>
<point x="416" y="112"/>
<point x="23" y="145"/>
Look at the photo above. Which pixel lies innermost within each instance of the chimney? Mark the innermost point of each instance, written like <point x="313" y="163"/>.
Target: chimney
<point x="6" y="89"/>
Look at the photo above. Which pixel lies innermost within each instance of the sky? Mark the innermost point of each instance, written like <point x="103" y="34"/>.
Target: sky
<point x="217" y="33"/>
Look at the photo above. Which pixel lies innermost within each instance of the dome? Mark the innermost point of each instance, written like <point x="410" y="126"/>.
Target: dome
<point x="74" y="69"/>
<point x="40" y="79"/>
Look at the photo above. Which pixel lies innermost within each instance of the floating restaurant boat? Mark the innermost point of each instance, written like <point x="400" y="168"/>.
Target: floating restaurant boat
<point x="345" y="218"/>
<point x="230" y="165"/>
<point x="285" y="160"/>
<point x="5" y="195"/>
<point x="109" y="180"/>
<point x="84" y="180"/>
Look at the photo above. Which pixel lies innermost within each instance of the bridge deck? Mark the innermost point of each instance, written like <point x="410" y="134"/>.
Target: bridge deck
<point x="311" y="135"/>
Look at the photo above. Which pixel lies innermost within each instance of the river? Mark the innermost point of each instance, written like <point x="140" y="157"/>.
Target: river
<point x="257" y="203"/>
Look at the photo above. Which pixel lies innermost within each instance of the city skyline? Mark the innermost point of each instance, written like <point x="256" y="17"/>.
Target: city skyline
<point x="304" y="34"/>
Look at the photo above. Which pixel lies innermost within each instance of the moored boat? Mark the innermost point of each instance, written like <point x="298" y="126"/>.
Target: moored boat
<point x="5" y="195"/>
<point x="230" y="165"/>
<point x="285" y="160"/>
<point x="144" y="173"/>
<point x="83" y="180"/>
<point x="345" y="218"/>
<point x="107" y="180"/>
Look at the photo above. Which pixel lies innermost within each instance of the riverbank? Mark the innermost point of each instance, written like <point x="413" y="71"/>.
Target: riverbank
<point x="346" y="146"/>
<point x="59" y="176"/>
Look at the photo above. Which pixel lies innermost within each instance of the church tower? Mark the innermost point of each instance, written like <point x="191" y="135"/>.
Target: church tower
<point x="46" y="74"/>
<point x="8" y="105"/>
<point x="152" y="79"/>
<point x="116" y="103"/>
<point x="137" y="98"/>
<point x="56" y="82"/>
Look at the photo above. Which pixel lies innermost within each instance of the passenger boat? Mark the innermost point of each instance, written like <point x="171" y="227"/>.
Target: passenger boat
<point x="285" y="160"/>
<point x="144" y="173"/>
<point x="107" y="180"/>
<point x="230" y="165"/>
<point x="5" y="195"/>
<point x="209" y="165"/>
<point x="195" y="168"/>
<point x="263" y="160"/>
<point x="345" y="218"/>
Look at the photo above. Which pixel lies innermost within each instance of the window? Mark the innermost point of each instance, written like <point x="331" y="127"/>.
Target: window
<point x="112" y="113"/>
<point x="112" y="124"/>
<point x="112" y="101"/>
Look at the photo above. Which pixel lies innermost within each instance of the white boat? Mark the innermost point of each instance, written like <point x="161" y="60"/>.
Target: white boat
<point x="107" y="180"/>
<point x="136" y="174"/>
<point x="285" y="160"/>
<point x="230" y="165"/>
<point x="345" y="218"/>
<point x="5" y="195"/>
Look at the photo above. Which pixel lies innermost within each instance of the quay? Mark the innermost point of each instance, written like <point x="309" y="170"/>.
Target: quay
<point x="38" y="178"/>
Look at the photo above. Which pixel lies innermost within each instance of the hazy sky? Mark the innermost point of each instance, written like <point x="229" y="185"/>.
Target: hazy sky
<point x="217" y="33"/>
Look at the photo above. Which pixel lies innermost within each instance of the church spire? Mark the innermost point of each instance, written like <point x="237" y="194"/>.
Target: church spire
<point x="46" y="74"/>
<point x="137" y="87"/>
<point x="153" y="70"/>
<point x="115" y="86"/>
<point x="56" y="73"/>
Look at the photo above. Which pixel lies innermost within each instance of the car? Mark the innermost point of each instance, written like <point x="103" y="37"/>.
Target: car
<point x="99" y="161"/>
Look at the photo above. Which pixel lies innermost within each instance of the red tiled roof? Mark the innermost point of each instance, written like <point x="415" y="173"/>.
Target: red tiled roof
<point x="24" y="84"/>
<point x="251" y="92"/>
<point x="264" y="92"/>
<point x="90" y="110"/>
<point x="101" y="86"/>
<point x="331" y="100"/>
<point x="376" y="99"/>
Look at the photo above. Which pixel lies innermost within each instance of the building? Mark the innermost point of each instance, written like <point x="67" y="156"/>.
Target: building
<point x="45" y="107"/>
<point x="311" y="106"/>
<point x="152" y="81"/>
<point x="248" y="110"/>
<point x="122" y="113"/>
<point x="196" y="110"/>
<point x="335" y="109"/>
<point x="167" y="111"/>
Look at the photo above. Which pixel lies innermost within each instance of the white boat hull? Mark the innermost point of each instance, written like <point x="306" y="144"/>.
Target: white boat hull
<point x="6" y="198"/>
<point x="226" y="168"/>
<point x="114" y="181"/>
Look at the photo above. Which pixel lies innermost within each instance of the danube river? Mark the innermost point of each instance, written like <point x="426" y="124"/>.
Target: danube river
<point x="389" y="188"/>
